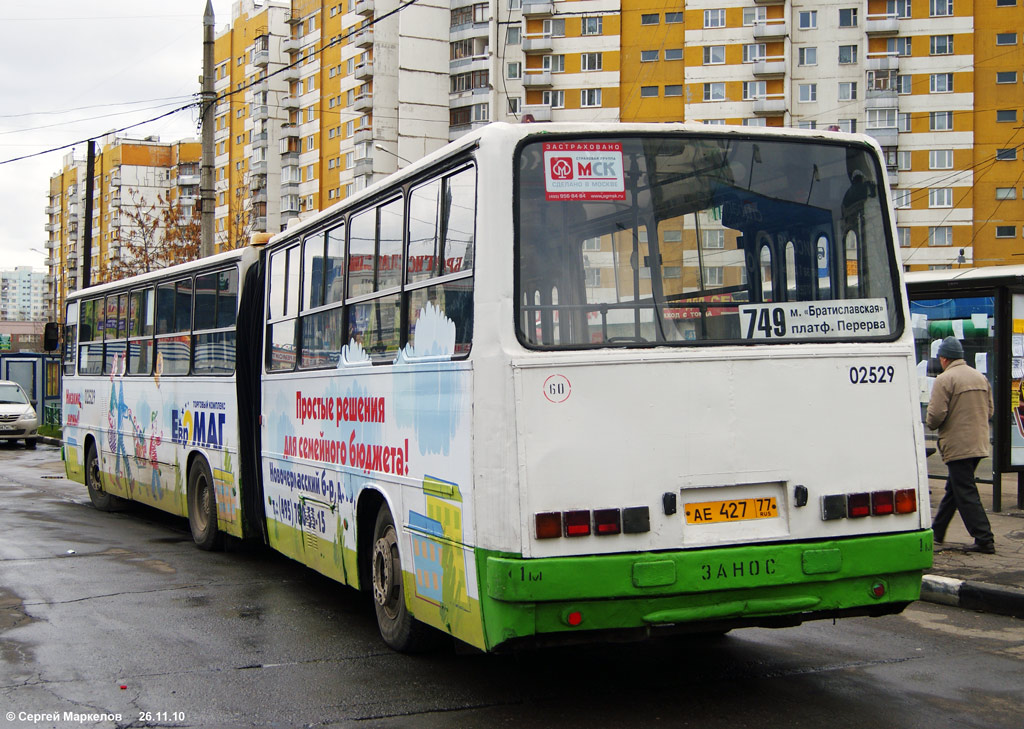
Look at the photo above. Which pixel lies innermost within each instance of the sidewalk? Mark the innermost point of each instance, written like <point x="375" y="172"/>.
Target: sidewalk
<point x="987" y="582"/>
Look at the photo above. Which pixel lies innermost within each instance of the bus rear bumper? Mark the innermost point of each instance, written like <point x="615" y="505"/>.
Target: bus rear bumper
<point x="709" y="589"/>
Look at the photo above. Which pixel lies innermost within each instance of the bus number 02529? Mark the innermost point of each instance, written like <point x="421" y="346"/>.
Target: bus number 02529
<point x="771" y="323"/>
<point x="880" y="375"/>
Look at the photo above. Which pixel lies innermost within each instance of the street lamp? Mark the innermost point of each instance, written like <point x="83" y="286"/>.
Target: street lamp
<point x="396" y="155"/>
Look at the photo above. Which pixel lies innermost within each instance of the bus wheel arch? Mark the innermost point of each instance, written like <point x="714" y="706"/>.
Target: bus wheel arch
<point x="100" y="498"/>
<point x="201" y="496"/>
<point x="399" y="629"/>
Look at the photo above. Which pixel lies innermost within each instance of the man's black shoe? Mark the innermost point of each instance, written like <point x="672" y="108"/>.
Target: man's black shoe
<point x="982" y="548"/>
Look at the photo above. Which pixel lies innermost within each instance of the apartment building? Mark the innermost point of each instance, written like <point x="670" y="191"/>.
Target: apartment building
<point x="22" y="294"/>
<point x="136" y="182"/>
<point x="319" y="98"/>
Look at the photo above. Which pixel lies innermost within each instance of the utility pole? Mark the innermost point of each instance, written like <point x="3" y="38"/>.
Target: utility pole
<point x="90" y="171"/>
<point x="209" y="98"/>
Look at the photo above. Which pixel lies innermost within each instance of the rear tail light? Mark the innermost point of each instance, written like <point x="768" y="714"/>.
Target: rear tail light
<point x="858" y="505"/>
<point x="882" y="502"/>
<point x="906" y="501"/>
<point x="875" y="503"/>
<point x="607" y="521"/>
<point x="577" y="523"/>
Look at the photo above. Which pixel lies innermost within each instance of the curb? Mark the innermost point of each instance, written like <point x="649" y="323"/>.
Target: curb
<point x="972" y="595"/>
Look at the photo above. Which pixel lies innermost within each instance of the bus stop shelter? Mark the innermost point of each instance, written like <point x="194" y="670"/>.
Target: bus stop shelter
<point x="984" y="309"/>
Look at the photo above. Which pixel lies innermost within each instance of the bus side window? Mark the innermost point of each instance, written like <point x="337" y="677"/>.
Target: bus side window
<point x="283" y="309"/>
<point x="174" y="315"/>
<point x="213" y="330"/>
<point x="90" y="348"/>
<point x="114" y="329"/>
<point x="70" y="338"/>
<point x="767" y="295"/>
<point x="140" y="332"/>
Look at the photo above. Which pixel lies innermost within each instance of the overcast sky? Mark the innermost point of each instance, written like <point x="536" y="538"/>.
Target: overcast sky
<point x="75" y="69"/>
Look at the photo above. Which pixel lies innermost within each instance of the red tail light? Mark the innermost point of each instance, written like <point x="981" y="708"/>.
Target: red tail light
<point x="549" y="525"/>
<point x="882" y="502"/>
<point x="858" y="505"/>
<point x="577" y="523"/>
<point x="607" y="521"/>
<point x="906" y="501"/>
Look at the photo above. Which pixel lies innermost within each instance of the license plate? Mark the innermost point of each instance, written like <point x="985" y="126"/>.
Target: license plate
<point x="7" y="427"/>
<point x="713" y="512"/>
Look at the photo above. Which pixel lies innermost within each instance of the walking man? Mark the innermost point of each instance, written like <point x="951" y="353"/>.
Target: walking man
<point x="959" y="409"/>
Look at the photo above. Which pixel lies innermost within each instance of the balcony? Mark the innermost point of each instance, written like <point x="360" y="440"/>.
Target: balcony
<point x="290" y="102"/>
<point x="772" y="29"/>
<point x="536" y="112"/>
<point x="881" y="25"/>
<point x="537" y="8"/>
<point x="536" y="43"/>
<point x="887" y="137"/>
<point x="363" y="166"/>
<point x="363" y="103"/>
<point x="51" y="227"/>
<point x="290" y="74"/>
<point x="537" y="80"/>
<point x="881" y="99"/>
<point x="288" y="131"/>
<point x="363" y="38"/>
<point x="362" y="135"/>
<point x="364" y="71"/>
<point x="771" y="105"/>
<point x="115" y="202"/>
<point x="290" y="45"/>
<point x="51" y="210"/>
<point x="188" y="179"/>
<point x="882" y="62"/>
<point x="364" y="8"/>
<point x="260" y="58"/>
<point x="769" y="67"/>
<point x="51" y="244"/>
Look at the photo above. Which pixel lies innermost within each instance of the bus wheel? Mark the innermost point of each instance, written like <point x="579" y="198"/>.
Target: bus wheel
<point x="400" y="630"/>
<point x="202" y="507"/>
<point x="99" y="498"/>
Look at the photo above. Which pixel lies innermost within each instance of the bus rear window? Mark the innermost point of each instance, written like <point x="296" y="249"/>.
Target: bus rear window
<point x="701" y="239"/>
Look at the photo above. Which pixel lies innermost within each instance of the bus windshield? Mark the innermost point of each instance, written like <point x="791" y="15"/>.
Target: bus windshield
<point x="686" y="239"/>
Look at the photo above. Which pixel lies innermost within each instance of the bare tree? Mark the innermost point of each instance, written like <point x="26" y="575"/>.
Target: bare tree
<point x="152" y="236"/>
<point x="242" y="213"/>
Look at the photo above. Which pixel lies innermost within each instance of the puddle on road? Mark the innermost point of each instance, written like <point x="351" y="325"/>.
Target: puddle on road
<point x="139" y="560"/>
<point x="13" y="615"/>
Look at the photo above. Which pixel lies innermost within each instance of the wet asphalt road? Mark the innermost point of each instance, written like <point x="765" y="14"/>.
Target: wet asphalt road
<point x="119" y="614"/>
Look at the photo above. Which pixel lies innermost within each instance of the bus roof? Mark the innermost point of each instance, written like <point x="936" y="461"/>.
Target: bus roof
<point x="980" y="275"/>
<point x="168" y="272"/>
<point x="514" y="132"/>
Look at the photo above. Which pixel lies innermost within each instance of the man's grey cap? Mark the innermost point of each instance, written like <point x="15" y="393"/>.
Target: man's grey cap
<point x="951" y="348"/>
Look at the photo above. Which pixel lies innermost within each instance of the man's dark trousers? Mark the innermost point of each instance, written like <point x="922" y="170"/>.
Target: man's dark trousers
<point x="962" y="494"/>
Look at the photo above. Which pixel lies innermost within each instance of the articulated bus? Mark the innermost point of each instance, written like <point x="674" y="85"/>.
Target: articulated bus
<point x="553" y="382"/>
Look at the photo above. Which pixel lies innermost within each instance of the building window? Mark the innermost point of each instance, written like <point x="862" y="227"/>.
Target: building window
<point x="847" y="90"/>
<point x="757" y="121"/>
<point x="649" y="91"/>
<point x="673" y="17"/>
<point x="904" y="83"/>
<point x="808" y="56"/>
<point x="515" y="70"/>
<point x="941" y="45"/>
<point x="848" y="125"/>
<point x="673" y="90"/>
<point x="940" y="159"/>
<point x="714" y="238"/>
<point x="807" y="124"/>
<point x="554" y="99"/>
<point x="554" y="64"/>
<point x="1006" y="39"/>
<point x="848" y="17"/>
<point x="903" y="235"/>
<point x="1006" y="231"/>
<point x="847" y="54"/>
<point x="937" y="8"/>
<point x="515" y="105"/>
<point x="898" y="46"/>
<point x="903" y="160"/>
<point x="903" y="122"/>
<point x="649" y="56"/>
<point x="590" y="97"/>
<point x="901" y="199"/>
<point x="753" y="90"/>
<point x="655" y="18"/>
<point x="514" y="35"/>
<point x="940" y="121"/>
<point x="1006" y="3"/>
<point x="671" y="54"/>
<point x="713" y="18"/>
<point x="755" y="14"/>
<point x="553" y="28"/>
<point x="807" y="19"/>
<point x="941" y="83"/>
<point x="592" y="26"/>
<point x="1006" y="155"/>
<point x="753" y="52"/>
<point x="1006" y="77"/>
<point x="1006" y="193"/>
<point x="714" y="55"/>
<point x="940" y="235"/>
<point x="808" y="92"/>
<point x="712" y="92"/>
<point x="590" y="61"/>
<point x="940" y="197"/>
<point x="1006" y="115"/>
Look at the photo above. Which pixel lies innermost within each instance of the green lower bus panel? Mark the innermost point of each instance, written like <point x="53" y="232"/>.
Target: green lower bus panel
<point x="727" y="586"/>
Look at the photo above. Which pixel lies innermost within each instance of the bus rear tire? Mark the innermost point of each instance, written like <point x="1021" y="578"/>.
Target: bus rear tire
<point x="99" y="498"/>
<point x="202" y="507"/>
<point x="399" y="629"/>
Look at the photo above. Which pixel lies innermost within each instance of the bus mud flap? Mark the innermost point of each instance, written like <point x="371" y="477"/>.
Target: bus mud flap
<point x="736" y="608"/>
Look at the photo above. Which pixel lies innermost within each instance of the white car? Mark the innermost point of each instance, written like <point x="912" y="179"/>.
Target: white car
<point x="17" y="416"/>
